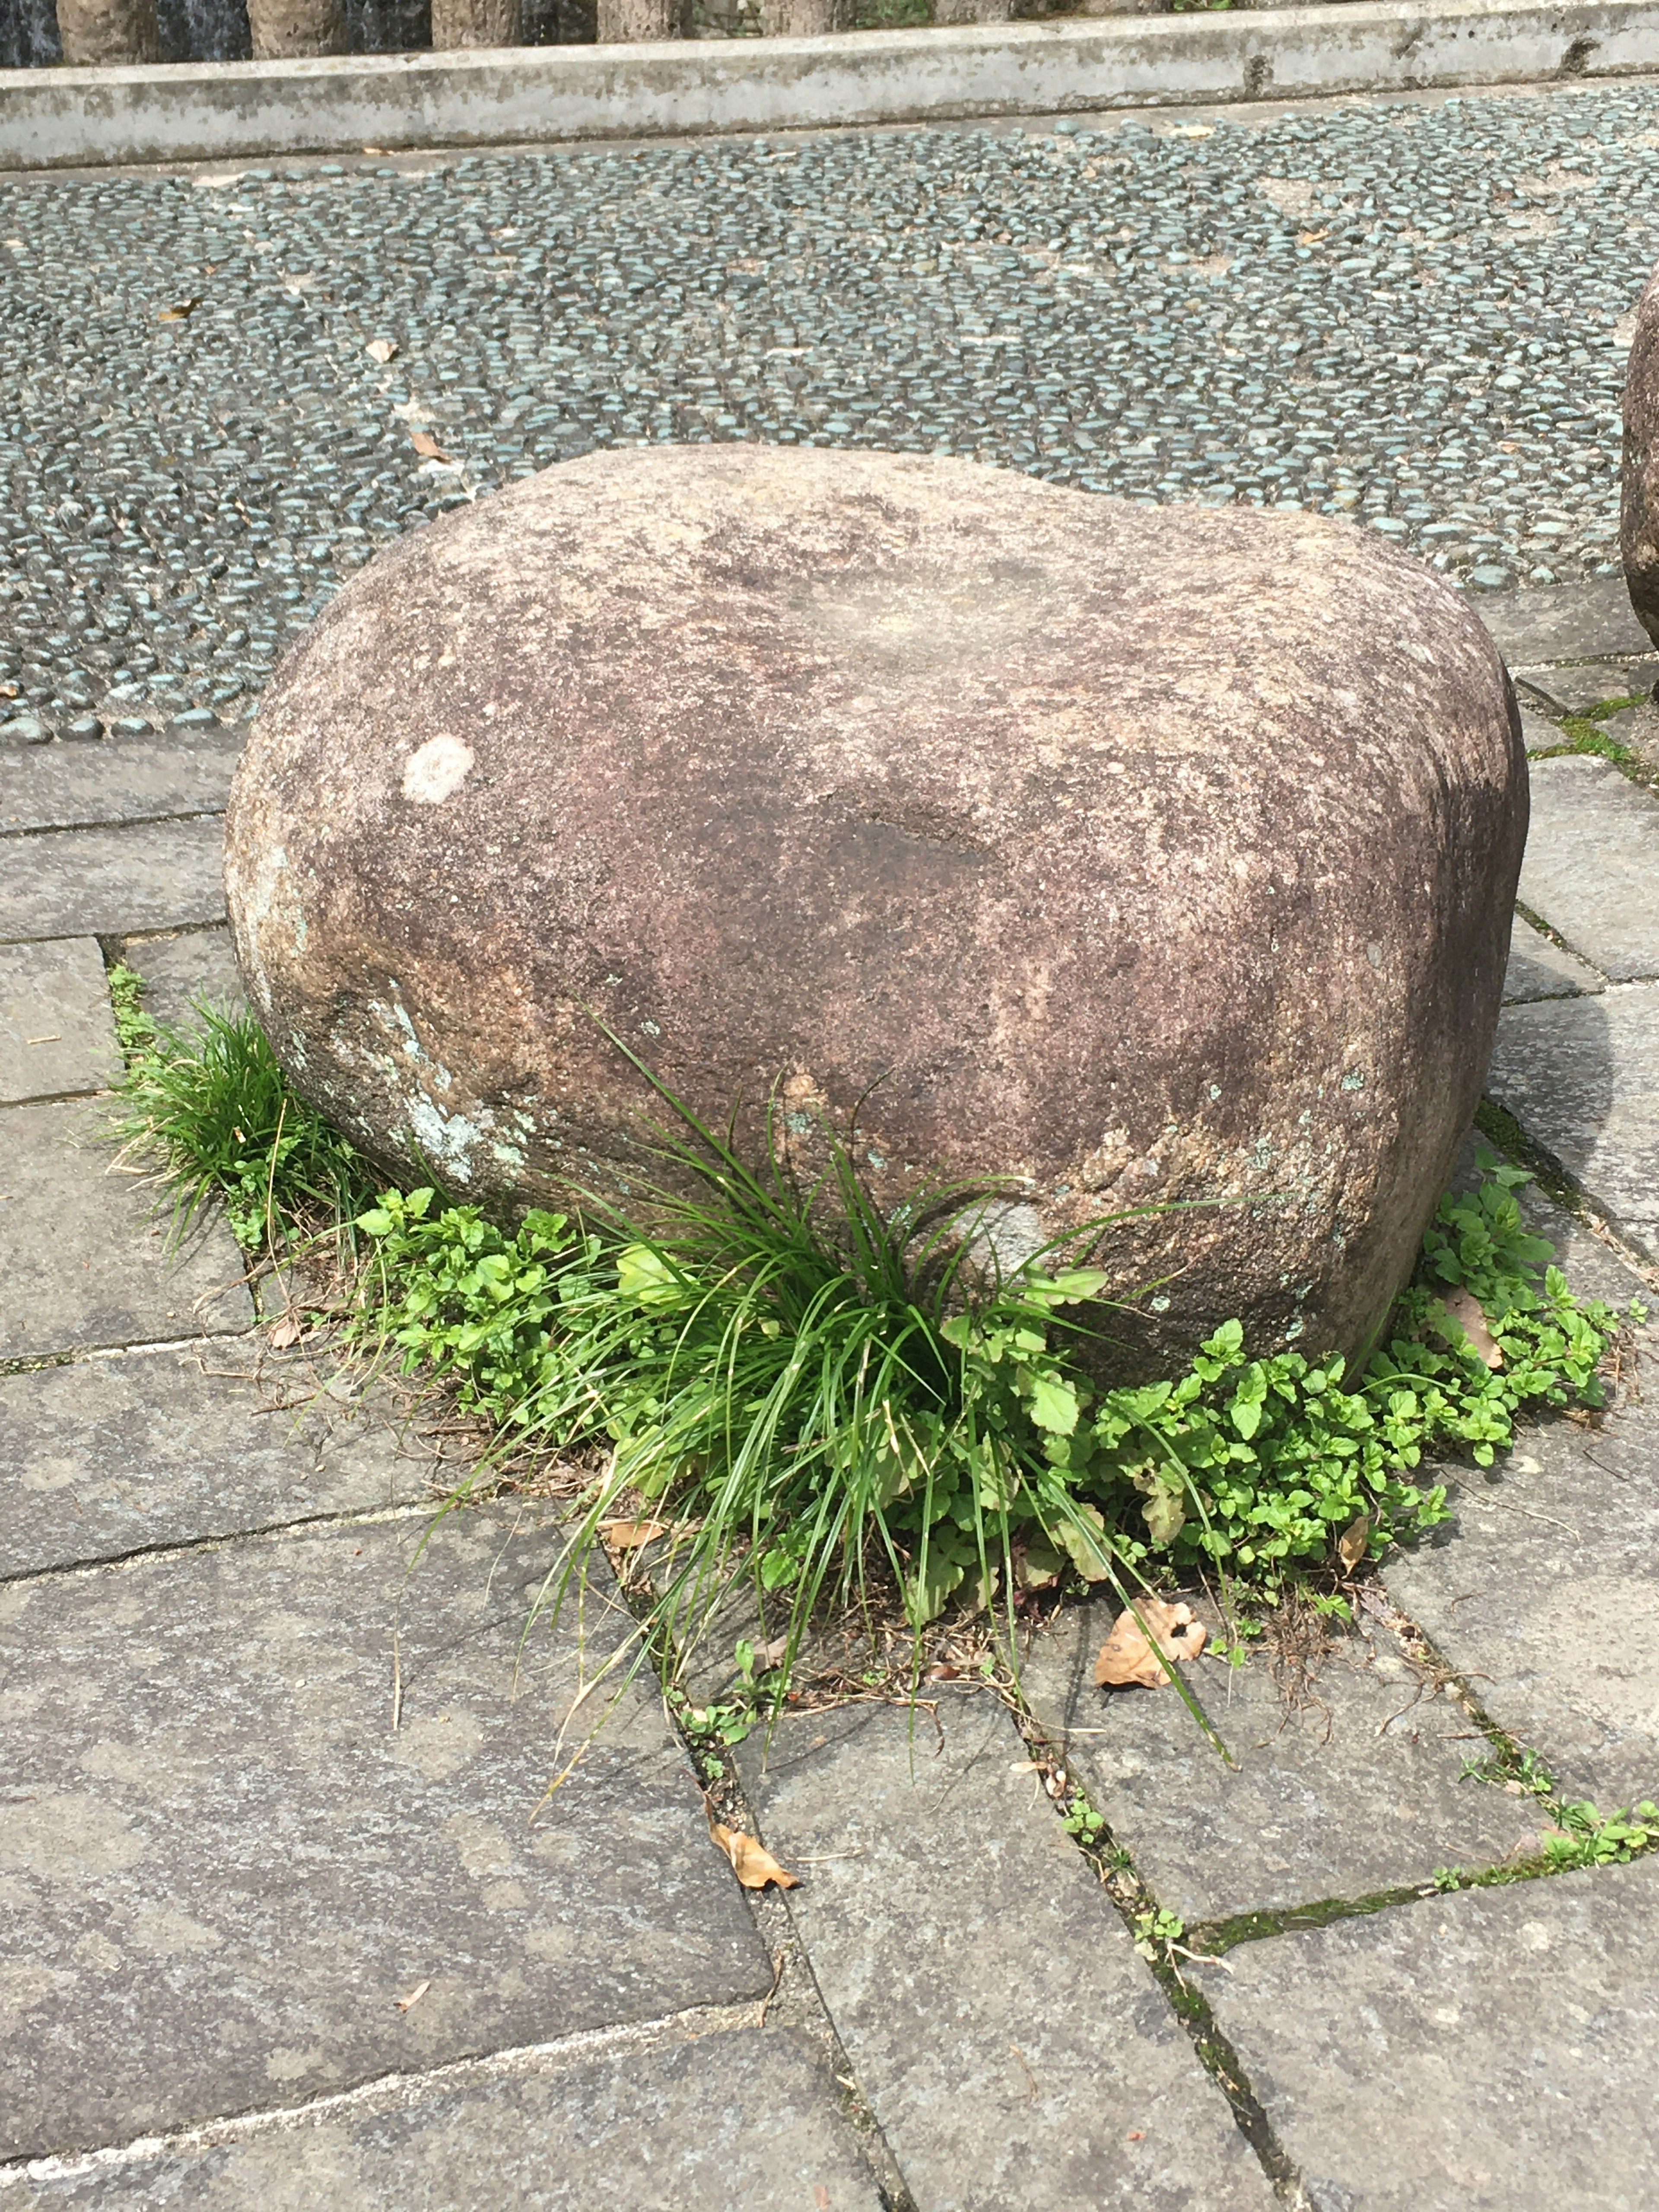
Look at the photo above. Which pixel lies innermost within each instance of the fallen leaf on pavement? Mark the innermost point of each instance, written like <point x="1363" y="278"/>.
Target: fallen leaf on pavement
<point x="1467" y="1310"/>
<point x="379" y="350"/>
<point x="1354" y="1542"/>
<point x="753" y="1867"/>
<point x="625" y="1536"/>
<point x="429" y="448"/>
<point x="179" y="312"/>
<point x="1127" y="1657"/>
<point x="286" y="1332"/>
<point x="414" y="1996"/>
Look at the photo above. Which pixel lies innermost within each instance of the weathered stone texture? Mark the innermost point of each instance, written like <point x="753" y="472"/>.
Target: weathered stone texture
<point x="1344" y="1780"/>
<point x="1492" y="2052"/>
<point x="1137" y="856"/>
<point x="224" y="1867"/>
<point x="743" y="2121"/>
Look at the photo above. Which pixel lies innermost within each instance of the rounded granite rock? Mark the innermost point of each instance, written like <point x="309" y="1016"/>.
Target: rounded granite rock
<point x="1639" y="509"/>
<point x="1145" y="858"/>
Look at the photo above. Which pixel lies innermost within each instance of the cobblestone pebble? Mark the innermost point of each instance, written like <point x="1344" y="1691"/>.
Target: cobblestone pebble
<point x="219" y="395"/>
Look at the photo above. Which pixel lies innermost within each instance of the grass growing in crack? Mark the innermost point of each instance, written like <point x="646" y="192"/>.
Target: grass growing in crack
<point x="208" y="1101"/>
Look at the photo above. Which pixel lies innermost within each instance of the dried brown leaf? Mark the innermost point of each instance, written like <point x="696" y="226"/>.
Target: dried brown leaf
<point x="626" y="1535"/>
<point x="1467" y="1310"/>
<point x="180" y="311"/>
<point x="286" y="1332"/>
<point x="753" y="1866"/>
<point x="1354" y="1542"/>
<point x="414" y="1996"/>
<point x="1127" y="1656"/>
<point x="428" y="447"/>
<point x="380" y="349"/>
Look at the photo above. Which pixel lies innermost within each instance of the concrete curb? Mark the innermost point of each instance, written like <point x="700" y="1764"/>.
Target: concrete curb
<point x="73" y="118"/>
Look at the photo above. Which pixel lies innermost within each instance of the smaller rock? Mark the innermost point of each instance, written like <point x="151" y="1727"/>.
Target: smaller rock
<point x="24" y="730"/>
<point x="130" y="726"/>
<point x="84" y="729"/>
<point x="1639" y="537"/>
<point x="1489" y="579"/>
<point x="195" y="718"/>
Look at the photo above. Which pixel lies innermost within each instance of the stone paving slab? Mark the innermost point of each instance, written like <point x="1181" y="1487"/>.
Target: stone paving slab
<point x="57" y="1033"/>
<point x="62" y="787"/>
<point x="745" y="2120"/>
<point x="1538" y="734"/>
<point x="1014" y="2048"/>
<point x="111" y="883"/>
<point x="223" y="1868"/>
<point x="1563" y="622"/>
<point x="1577" y="686"/>
<point x="110" y="1455"/>
<point x="1581" y="1077"/>
<point x="198" y="964"/>
<point x="1546" y="1597"/>
<point x="1591" y="867"/>
<point x="1490" y="2051"/>
<point x="84" y="1255"/>
<point x="1342" y="1788"/>
<point x="1539" y="968"/>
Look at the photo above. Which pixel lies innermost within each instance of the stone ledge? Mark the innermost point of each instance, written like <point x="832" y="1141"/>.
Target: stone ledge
<point x="70" y="118"/>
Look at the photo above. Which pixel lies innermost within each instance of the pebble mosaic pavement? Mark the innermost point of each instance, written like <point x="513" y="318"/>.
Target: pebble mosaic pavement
<point x="1407" y="311"/>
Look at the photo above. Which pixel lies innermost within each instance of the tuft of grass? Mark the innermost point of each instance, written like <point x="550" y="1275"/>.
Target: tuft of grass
<point x="843" y="1407"/>
<point x="206" y="1100"/>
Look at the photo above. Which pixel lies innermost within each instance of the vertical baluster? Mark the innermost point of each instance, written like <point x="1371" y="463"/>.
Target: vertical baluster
<point x="103" y="33"/>
<point x="293" y="30"/>
<point x="476" y="23"/>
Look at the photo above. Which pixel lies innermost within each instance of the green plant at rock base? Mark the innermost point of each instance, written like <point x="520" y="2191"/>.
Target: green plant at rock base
<point x="812" y="1394"/>
<point x="208" y="1101"/>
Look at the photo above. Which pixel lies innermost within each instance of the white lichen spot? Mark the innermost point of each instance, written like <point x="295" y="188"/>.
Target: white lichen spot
<point x="437" y="770"/>
<point x="448" y="1141"/>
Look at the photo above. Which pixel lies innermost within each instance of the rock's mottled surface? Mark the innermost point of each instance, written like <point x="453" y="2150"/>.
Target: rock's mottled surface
<point x="1639" y="510"/>
<point x="1136" y="857"/>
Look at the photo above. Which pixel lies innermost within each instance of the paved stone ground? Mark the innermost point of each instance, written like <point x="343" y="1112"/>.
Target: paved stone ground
<point x="277" y="1923"/>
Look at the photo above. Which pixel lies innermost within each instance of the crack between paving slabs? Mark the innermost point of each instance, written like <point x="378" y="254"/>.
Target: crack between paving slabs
<point x="385" y="2089"/>
<point x="794" y="1990"/>
<point x="1134" y="1898"/>
<point x="1505" y="1134"/>
<point x="274" y="1532"/>
<point x="104" y="821"/>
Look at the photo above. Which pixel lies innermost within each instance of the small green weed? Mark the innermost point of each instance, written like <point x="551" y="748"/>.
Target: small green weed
<point x="1156" y="1931"/>
<point x="135" y="1030"/>
<point x="1081" y="1821"/>
<point x="210" y="1102"/>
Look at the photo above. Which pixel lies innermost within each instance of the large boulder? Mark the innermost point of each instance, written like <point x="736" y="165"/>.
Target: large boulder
<point x="1639" y="518"/>
<point x="1141" y="856"/>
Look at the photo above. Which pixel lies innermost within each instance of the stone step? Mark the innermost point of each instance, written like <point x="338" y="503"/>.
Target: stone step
<point x="114" y="882"/>
<point x="228" y="1873"/>
<point x="198" y="964"/>
<point x="1591" y="867"/>
<point x="1581" y="1076"/>
<point x="1539" y="968"/>
<point x="1545" y="1597"/>
<point x="1014" y="2048"/>
<point x="86" y="1259"/>
<point x="57" y="1032"/>
<point x="1494" y="2048"/>
<point x="121" y="780"/>
<point x="743" y="2120"/>
<point x="103" y="1457"/>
